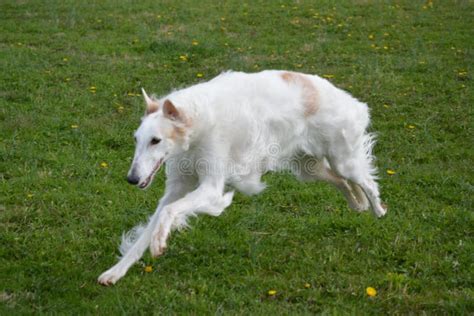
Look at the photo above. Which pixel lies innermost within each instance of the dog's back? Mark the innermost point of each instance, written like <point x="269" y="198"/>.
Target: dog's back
<point x="298" y="112"/>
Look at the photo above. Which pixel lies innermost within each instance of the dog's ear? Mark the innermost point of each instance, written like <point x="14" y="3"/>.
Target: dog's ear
<point x="171" y="112"/>
<point x="151" y="105"/>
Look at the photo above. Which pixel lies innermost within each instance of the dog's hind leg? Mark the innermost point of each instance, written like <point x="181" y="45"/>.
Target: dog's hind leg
<point x="311" y="168"/>
<point x="132" y="250"/>
<point x="360" y="196"/>
<point x="355" y="164"/>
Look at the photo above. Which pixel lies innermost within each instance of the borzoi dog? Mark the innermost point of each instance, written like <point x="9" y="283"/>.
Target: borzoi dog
<point x="227" y="132"/>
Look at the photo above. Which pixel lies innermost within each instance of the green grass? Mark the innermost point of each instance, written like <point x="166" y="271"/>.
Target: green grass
<point x="62" y="214"/>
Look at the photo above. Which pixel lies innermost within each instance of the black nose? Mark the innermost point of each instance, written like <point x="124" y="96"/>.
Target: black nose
<point x="132" y="179"/>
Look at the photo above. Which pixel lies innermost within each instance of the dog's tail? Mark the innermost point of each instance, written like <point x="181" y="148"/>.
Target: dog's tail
<point x="129" y="238"/>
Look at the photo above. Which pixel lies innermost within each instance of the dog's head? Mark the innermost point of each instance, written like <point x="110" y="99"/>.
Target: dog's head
<point x="163" y="132"/>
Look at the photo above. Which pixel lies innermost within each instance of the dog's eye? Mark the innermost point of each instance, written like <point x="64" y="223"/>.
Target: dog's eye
<point x="155" y="141"/>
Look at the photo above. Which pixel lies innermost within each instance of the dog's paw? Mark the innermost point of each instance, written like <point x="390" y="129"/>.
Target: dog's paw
<point x="358" y="207"/>
<point x="110" y="277"/>
<point x="381" y="210"/>
<point x="157" y="246"/>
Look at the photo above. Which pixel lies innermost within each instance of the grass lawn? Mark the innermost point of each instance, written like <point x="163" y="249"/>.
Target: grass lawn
<point x="70" y="76"/>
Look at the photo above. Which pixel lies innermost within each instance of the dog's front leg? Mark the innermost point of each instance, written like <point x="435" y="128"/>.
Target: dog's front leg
<point x="175" y="189"/>
<point x="207" y="199"/>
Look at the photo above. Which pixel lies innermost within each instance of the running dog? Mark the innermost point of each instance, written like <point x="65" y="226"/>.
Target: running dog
<point x="227" y="132"/>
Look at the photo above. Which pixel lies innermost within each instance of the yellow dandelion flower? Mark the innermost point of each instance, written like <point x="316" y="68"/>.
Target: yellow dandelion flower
<point x="104" y="165"/>
<point x="183" y="57"/>
<point x="120" y="109"/>
<point x="391" y="172"/>
<point x="385" y="47"/>
<point x="67" y="79"/>
<point x="307" y="285"/>
<point x="199" y="75"/>
<point x="272" y="292"/>
<point x="148" y="269"/>
<point x="195" y="43"/>
<point x="411" y="126"/>
<point x="29" y="195"/>
<point x="371" y="291"/>
<point x="65" y="59"/>
<point x="222" y="18"/>
<point x="371" y="36"/>
<point x="74" y="126"/>
<point x="386" y="106"/>
<point x="328" y="76"/>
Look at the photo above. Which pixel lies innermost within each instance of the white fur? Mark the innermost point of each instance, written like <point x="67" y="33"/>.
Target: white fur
<point x="235" y="128"/>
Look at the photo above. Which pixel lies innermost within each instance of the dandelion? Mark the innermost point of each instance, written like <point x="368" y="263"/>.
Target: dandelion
<point x="371" y="36"/>
<point x="74" y="126"/>
<point x="199" y="75"/>
<point x="385" y="47"/>
<point x="183" y="57"/>
<point x="195" y="43"/>
<point x="104" y="165"/>
<point x="148" y="269"/>
<point x="65" y="59"/>
<point x="462" y="74"/>
<point x="411" y="126"/>
<point x="391" y="172"/>
<point x="386" y="106"/>
<point x="29" y="195"/>
<point x="93" y="89"/>
<point x="328" y="76"/>
<point x="272" y="292"/>
<point x="120" y="108"/>
<point x="307" y="285"/>
<point x="67" y="79"/>
<point x="371" y="291"/>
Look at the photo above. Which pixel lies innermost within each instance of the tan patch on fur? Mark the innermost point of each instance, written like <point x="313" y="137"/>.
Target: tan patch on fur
<point x="309" y="92"/>
<point x="181" y="125"/>
<point x="177" y="133"/>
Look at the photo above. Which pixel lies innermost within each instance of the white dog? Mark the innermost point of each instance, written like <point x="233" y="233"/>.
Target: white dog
<point x="230" y="131"/>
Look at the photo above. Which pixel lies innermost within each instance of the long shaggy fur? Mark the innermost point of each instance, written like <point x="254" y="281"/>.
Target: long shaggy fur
<point x="229" y="131"/>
